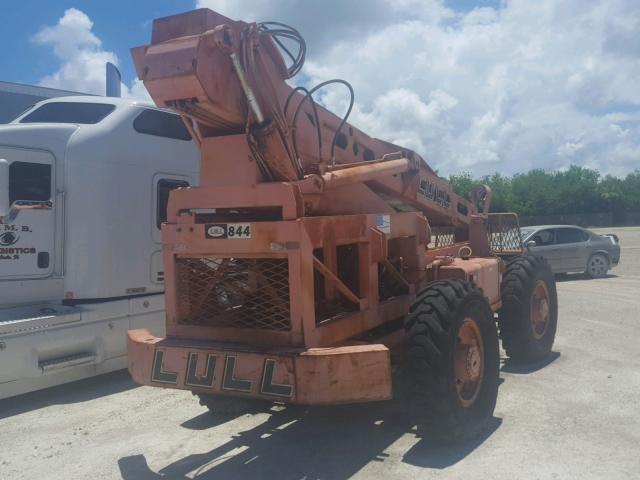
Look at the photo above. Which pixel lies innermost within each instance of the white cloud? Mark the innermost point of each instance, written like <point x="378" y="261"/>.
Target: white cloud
<point x="522" y="85"/>
<point x="323" y="23"/>
<point x="82" y="57"/>
<point x="137" y="90"/>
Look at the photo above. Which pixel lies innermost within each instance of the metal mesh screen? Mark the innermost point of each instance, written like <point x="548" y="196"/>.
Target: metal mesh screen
<point x="442" y="236"/>
<point x="504" y="234"/>
<point x="233" y="292"/>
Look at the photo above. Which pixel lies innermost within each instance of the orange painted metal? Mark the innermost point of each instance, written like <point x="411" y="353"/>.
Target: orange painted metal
<point x="364" y="173"/>
<point x="186" y="67"/>
<point x="287" y="252"/>
<point x="484" y="272"/>
<point x="469" y="362"/>
<point x="346" y="374"/>
<point x="539" y="309"/>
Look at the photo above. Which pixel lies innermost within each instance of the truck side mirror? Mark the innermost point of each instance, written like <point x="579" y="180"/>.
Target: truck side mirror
<point x="530" y="243"/>
<point x="4" y="188"/>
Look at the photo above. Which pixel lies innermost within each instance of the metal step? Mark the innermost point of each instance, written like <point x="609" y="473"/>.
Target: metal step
<point x="68" y="361"/>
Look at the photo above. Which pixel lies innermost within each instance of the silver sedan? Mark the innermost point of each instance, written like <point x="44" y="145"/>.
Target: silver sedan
<point x="568" y="248"/>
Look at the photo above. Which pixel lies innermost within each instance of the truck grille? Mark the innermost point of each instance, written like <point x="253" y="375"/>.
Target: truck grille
<point x="233" y="292"/>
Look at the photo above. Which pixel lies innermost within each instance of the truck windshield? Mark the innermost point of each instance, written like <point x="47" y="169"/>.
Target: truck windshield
<point x="69" y="112"/>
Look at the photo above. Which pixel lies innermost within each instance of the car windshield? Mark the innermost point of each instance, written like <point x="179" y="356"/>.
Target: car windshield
<point x="525" y="232"/>
<point x="69" y="112"/>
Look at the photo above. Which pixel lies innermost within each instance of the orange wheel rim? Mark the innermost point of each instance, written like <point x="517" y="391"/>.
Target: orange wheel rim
<point x="469" y="362"/>
<point x="539" y="309"/>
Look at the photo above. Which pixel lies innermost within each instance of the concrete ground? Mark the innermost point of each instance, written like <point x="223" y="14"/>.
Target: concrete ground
<point x="576" y="416"/>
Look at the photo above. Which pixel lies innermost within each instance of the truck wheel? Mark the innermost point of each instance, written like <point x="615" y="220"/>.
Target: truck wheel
<point x="450" y="371"/>
<point x="597" y="266"/>
<point x="529" y="314"/>
<point x="226" y="405"/>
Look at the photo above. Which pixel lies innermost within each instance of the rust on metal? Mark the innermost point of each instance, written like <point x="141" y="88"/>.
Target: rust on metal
<point x="539" y="309"/>
<point x="344" y="374"/>
<point x="304" y="235"/>
<point x="329" y="275"/>
<point x="469" y="362"/>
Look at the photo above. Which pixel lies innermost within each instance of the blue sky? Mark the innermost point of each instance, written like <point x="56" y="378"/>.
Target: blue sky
<point x="119" y="24"/>
<point x="475" y="85"/>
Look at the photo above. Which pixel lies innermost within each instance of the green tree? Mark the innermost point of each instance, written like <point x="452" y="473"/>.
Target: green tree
<point x="462" y="183"/>
<point x="502" y="190"/>
<point x="538" y="192"/>
<point x="630" y="190"/>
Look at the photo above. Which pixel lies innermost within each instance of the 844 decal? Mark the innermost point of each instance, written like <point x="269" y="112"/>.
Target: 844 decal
<point x="227" y="230"/>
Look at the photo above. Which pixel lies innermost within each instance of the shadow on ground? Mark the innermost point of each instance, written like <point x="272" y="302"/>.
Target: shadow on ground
<point x="296" y="443"/>
<point x="570" y="277"/>
<point x="75" y="392"/>
<point x="513" y="367"/>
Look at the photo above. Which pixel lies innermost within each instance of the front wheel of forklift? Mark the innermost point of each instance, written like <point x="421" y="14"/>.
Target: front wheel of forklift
<point x="449" y="374"/>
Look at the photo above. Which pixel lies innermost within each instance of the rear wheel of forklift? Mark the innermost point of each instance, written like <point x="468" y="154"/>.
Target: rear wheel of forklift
<point x="449" y="374"/>
<point x="227" y="405"/>
<point x="529" y="314"/>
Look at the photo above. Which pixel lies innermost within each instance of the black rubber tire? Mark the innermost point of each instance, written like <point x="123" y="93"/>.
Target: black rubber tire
<point x="228" y="405"/>
<point x="514" y="318"/>
<point x="597" y="274"/>
<point x="427" y="377"/>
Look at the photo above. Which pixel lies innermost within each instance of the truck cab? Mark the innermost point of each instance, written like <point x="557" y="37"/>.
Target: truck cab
<point x="84" y="186"/>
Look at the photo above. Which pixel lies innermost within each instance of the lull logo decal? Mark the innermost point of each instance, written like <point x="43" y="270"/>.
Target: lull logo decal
<point x="230" y="381"/>
<point x="241" y="231"/>
<point x="216" y="231"/>
<point x="193" y="379"/>
<point x="269" y="387"/>
<point x="158" y="373"/>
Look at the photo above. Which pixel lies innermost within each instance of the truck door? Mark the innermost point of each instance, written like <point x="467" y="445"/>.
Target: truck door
<point x="163" y="183"/>
<point x="27" y="231"/>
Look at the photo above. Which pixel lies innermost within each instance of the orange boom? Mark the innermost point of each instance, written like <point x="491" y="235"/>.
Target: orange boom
<point x="313" y="258"/>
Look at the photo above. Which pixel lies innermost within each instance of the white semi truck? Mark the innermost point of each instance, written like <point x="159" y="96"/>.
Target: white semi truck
<point x="84" y="184"/>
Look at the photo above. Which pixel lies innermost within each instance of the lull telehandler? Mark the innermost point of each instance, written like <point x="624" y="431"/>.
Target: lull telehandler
<point x="314" y="260"/>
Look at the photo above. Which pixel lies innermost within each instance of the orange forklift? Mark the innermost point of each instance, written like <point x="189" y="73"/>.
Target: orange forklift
<point x="316" y="265"/>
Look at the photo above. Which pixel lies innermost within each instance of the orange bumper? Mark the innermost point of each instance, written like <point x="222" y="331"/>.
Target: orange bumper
<point x="317" y="376"/>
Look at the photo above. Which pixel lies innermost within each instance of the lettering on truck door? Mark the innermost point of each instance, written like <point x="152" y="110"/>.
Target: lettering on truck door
<point x="27" y="231"/>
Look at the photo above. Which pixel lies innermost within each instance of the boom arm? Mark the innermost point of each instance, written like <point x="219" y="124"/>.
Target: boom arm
<point x="228" y="80"/>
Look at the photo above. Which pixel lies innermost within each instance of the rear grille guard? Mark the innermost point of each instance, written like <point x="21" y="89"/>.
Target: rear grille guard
<point x="504" y="234"/>
<point x="442" y="236"/>
<point x="233" y="292"/>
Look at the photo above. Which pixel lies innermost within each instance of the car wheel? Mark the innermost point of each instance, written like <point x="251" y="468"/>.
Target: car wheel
<point x="597" y="266"/>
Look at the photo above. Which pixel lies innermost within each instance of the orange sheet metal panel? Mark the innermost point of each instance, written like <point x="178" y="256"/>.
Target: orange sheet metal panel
<point x="321" y="376"/>
<point x="347" y="374"/>
<point x="484" y="272"/>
